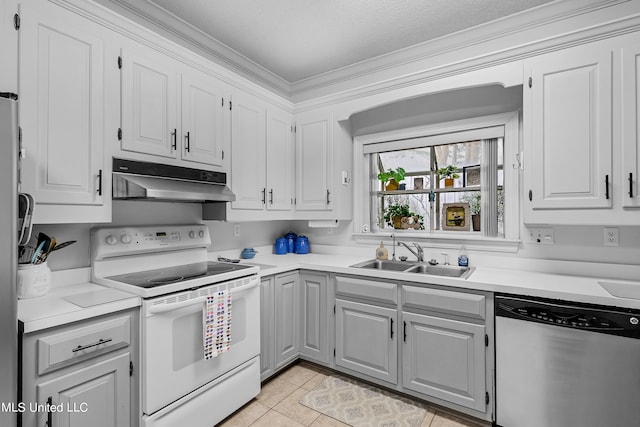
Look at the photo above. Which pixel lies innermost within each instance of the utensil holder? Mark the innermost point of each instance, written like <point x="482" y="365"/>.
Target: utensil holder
<point x="34" y="280"/>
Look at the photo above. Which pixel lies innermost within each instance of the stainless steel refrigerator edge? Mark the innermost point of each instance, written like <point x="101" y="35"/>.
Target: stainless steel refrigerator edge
<point x="8" y="258"/>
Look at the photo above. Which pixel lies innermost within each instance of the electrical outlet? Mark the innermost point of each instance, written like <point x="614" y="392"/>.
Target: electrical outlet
<point x="542" y="235"/>
<point x="236" y="230"/>
<point x="611" y="236"/>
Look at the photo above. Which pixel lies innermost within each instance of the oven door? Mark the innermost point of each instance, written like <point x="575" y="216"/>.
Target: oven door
<point x="173" y="363"/>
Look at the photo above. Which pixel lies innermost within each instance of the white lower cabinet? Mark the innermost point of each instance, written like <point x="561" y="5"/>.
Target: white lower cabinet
<point x="287" y="309"/>
<point x="314" y="324"/>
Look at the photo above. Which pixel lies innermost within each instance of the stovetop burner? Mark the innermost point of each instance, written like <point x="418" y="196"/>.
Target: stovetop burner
<point x="180" y="273"/>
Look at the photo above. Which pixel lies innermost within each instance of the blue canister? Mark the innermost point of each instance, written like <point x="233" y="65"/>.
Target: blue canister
<point x="302" y="245"/>
<point x="280" y="247"/>
<point x="291" y="237"/>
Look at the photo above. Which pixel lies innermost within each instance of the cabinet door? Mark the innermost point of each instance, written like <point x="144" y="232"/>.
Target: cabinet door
<point x="568" y="131"/>
<point x="267" y="328"/>
<point x="280" y="161"/>
<point x="62" y="112"/>
<point x="314" y="151"/>
<point x="445" y="359"/>
<point x="202" y="119"/>
<point x="313" y="292"/>
<point x="287" y="302"/>
<point x="248" y="153"/>
<point x="630" y="172"/>
<point x="96" y="396"/>
<point x="149" y="102"/>
<point x="366" y="339"/>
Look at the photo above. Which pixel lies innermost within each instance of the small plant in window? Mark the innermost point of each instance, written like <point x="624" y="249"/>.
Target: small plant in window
<point x="393" y="177"/>
<point x="448" y="174"/>
<point x="475" y="206"/>
<point x="400" y="216"/>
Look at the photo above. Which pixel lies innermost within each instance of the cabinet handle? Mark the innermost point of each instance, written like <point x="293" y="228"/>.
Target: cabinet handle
<point x="95" y="344"/>
<point x="49" y="413"/>
<point x="264" y="196"/>
<point x="271" y="196"/>
<point x="391" y="328"/>
<point x="187" y="145"/>
<point x="100" y="182"/>
<point x="328" y="194"/>
<point x="404" y="330"/>
<point x="174" y="135"/>
<point x="631" y="184"/>
<point x="606" y="186"/>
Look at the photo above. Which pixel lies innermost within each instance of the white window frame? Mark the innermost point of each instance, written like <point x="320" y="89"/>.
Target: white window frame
<point x="405" y="138"/>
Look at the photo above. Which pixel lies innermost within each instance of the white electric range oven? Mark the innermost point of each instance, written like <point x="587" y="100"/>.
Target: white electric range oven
<point x="167" y="266"/>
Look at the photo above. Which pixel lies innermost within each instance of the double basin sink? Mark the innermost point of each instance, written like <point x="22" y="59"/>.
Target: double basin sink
<point x="417" y="268"/>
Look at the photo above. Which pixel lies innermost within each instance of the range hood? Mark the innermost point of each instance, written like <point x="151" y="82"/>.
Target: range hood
<point x="134" y="180"/>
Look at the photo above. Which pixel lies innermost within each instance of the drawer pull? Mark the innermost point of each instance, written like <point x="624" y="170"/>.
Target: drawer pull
<point x="95" y="344"/>
<point x="49" y="413"/>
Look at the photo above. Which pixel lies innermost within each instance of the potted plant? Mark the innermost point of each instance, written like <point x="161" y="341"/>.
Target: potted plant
<point x="448" y="174"/>
<point x="394" y="215"/>
<point x="393" y="176"/>
<point x="474" y="208"/>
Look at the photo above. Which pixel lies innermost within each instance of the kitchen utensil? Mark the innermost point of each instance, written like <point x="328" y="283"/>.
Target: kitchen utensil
<point x="37" y="253"/>
<point x="280" y="247"/>
<point x="63" y="245"/>
<point x="302" y="245"/>
<point x="248" y="253"/>
<point x="233" y="260"/>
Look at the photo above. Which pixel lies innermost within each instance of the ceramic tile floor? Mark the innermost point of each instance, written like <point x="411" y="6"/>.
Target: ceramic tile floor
<point x="277" y="404"/>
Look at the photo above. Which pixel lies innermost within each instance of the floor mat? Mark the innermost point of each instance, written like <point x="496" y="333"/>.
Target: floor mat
<point x="362" y="405"/>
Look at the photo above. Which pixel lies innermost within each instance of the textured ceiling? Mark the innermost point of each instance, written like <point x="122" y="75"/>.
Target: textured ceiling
<point x="299" y="39"/>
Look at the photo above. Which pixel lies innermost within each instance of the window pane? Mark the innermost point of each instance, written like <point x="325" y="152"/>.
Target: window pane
<point x="416" y="160"/>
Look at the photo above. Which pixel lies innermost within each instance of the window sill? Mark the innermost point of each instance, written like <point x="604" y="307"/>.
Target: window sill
<point x="442" y="240"/>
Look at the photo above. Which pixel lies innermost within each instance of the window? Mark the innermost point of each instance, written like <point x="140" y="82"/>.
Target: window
<point x="479" y="203"/>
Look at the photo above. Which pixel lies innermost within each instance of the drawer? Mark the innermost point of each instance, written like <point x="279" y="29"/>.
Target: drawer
<point x="71" y="346"/>
<point x="369" y="289"/>
<point x="458" y="303"/>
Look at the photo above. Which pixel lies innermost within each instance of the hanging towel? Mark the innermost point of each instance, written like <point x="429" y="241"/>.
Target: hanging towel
<point x="216" y="324"/>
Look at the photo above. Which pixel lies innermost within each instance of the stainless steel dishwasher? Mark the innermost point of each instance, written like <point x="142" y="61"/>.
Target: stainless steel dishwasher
<point x="560" y="364"/>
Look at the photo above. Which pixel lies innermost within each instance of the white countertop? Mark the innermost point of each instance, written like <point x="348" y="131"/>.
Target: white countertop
<point x="502" y="280"/>
<point x="56" y="307"/>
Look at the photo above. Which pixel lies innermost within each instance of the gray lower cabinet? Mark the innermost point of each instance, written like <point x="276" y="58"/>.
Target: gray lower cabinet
<point x="445" y="359"/>
<point x="314" y="316"/>
<point x="286" y="313"/>
<point x="366" y="339"/>
<point x="82" y="374"/>
<point x="267" y="328"/>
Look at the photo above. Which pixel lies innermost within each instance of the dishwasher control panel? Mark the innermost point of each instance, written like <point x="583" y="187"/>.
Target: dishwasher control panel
<point x="566" y="314"/>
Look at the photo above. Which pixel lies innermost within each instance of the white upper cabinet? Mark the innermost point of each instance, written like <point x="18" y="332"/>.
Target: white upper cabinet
<point x="149" y="102"/>
<point x="248" y="158"/>
<point x="170" y="110"/>
<point x="280" y="161"/>
<point x="630" y="171"/>
<point x="262" y="160"/>
<point x="568" y="128"/>
<point x="63" y="110"/>
<point x="314" y="154"/>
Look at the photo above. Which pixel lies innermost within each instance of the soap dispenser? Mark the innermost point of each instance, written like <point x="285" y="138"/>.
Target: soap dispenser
<point x="463" y="259"/>
<point x="382" y="253"/>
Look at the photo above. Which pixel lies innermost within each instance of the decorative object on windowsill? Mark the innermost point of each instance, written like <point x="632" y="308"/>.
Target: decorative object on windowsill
<point x="455" y="216"/>
<point x="382" y="253"/>
<point x="399" y="216"/>
<point x="393" y="177"/>
<point x="471" y="176"/>
<point x="418" y="183"/>
<point x="448" y="174"/>
<point x="473" y="198"/>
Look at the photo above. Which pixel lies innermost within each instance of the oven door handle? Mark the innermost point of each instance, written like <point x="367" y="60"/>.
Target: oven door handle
<point x="163" y="308"/>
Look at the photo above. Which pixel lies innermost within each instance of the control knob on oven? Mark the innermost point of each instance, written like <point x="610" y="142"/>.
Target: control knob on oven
<point x="111" y="240"/>
<point x="125" y="238"/>
<point x="192" y="234"/>
<point x="201" y="234"/>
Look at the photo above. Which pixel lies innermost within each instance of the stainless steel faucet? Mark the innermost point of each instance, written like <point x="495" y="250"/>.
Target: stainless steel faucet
<point x="393" y="256"/>
<point x="419" y="254"/>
